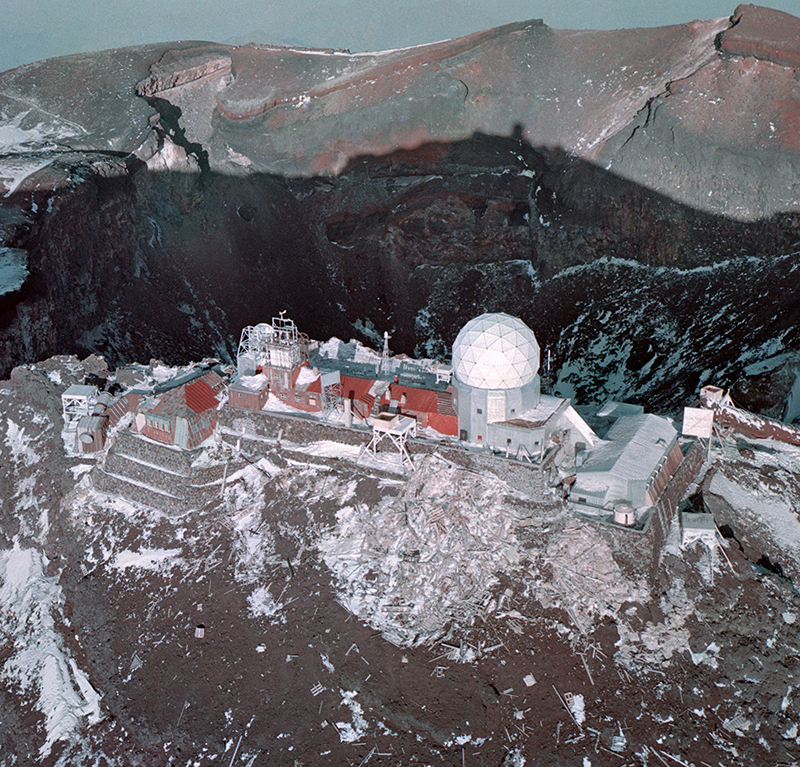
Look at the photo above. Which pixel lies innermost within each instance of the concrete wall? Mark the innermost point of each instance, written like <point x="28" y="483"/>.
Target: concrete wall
<point x="265" y="425"/>
<point x="467" y="401"/>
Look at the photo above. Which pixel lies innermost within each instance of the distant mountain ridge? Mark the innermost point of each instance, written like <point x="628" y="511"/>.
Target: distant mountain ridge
<point x="216" y="184"/>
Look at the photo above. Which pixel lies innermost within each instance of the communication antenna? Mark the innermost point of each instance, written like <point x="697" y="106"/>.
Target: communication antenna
<point x="385" y="355"/>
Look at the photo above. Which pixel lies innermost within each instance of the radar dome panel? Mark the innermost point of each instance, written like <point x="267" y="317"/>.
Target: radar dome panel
<point x="495" y="351"/>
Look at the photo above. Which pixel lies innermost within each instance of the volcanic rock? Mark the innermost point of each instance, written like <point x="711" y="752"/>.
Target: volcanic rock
<point x="409" y="190"/>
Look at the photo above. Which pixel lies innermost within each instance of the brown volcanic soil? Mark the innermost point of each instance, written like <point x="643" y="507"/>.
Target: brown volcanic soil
<point x="200" y="695"/>
<point x="244" y="693"/>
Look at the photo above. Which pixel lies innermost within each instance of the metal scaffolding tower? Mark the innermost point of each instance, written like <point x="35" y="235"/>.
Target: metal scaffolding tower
<point x="397" y="428"/>
<point x="331" y="389"/>
<point x="269" y="348"/>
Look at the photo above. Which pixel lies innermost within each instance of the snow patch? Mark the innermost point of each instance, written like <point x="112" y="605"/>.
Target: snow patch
<point x="577" y="707"/>
<point x="350" y="732"/>
<point x="19" y="444"/>
<point x="306" y="376"/>
<point x="263" y="605"/>
<point x="329" y="449"/>
<point x="13" y="269"/>
<point x="145" y="559"/>
<point x="40" y="665"/>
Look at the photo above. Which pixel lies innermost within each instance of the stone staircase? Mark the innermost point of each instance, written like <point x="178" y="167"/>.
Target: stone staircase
<point x="155" y="475"/>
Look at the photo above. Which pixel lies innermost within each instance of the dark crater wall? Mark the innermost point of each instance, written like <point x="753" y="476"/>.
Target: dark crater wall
<point x="172" y="266"/>
<point x="159" y="265"/>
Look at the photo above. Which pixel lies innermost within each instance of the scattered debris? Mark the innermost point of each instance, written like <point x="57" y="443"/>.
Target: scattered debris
<point x="426" y="558"/>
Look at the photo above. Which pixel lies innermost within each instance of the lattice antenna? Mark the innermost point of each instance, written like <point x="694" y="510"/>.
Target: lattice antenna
<point x="385" y="365"/>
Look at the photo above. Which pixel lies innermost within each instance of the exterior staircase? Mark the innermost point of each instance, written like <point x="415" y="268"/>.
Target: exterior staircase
<point x="156" y="475"/>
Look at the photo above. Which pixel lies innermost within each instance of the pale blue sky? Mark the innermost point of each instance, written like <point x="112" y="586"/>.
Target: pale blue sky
<point x="36" y="29"/>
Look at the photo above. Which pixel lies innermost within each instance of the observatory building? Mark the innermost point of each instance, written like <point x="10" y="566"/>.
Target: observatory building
<point x="495" y="372"/>
<point x="497" y="392"/>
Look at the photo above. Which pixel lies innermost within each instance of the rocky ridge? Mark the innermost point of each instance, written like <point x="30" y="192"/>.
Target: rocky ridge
<point x="409" y="190"/>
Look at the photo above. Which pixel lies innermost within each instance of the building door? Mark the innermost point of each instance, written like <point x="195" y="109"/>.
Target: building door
<point x="495" y="406"/>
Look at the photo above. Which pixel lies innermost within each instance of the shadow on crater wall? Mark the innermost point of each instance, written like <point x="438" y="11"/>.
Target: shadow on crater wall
<point x="173" y="265"/>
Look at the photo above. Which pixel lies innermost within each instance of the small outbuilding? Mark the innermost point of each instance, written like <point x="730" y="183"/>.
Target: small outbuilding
<point x="250" y="392"/>
<point x="91" y="433"/>
<point x="76" y="402"/>
<point x="184" y="416"/>
<point x="631" y="466"/>
<point x="698" y="527"/>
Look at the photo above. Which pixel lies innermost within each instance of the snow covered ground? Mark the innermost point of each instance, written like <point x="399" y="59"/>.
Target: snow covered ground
<point x="40" y="665"/>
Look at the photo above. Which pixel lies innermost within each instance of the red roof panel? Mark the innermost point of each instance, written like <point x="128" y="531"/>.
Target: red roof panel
<point x="417" y="400"/>
<point x="196" y="396"/>
<point x="200" y="396"/>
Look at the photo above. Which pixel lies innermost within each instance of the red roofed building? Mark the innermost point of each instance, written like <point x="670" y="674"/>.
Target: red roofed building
<point x="184" y="416"/>
<point x="362" y="393"/>
<point x="430" y="407"/>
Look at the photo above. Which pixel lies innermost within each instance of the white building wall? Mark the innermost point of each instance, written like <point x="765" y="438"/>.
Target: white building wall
<point x="477" y="408"/>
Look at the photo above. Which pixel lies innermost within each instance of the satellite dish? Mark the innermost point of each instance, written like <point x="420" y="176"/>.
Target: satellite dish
<point x="86" y="438"/>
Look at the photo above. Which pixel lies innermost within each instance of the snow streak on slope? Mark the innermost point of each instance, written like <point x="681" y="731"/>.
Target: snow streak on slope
<point x="39" y="665"/>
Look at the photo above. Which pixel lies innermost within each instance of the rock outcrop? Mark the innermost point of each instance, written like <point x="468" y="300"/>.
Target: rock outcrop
<point x="409" y="190"/>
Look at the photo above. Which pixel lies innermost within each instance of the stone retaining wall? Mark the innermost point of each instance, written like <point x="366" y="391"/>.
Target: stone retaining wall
<point x="262" y="424"/>
<point x="171" y="484"/>
<point x="664" y="512"/>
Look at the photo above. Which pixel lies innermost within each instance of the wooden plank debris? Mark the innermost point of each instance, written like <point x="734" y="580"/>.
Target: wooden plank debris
<point x="431" y="563"/>
<point x="738" y="722"/>
<point x="236" y="750"/>
<point x="588" y="673"/>
<point x="567" y="708"/>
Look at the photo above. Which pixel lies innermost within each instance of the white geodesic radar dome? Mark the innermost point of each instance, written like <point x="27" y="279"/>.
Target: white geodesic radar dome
<point x="495" y="351"/>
